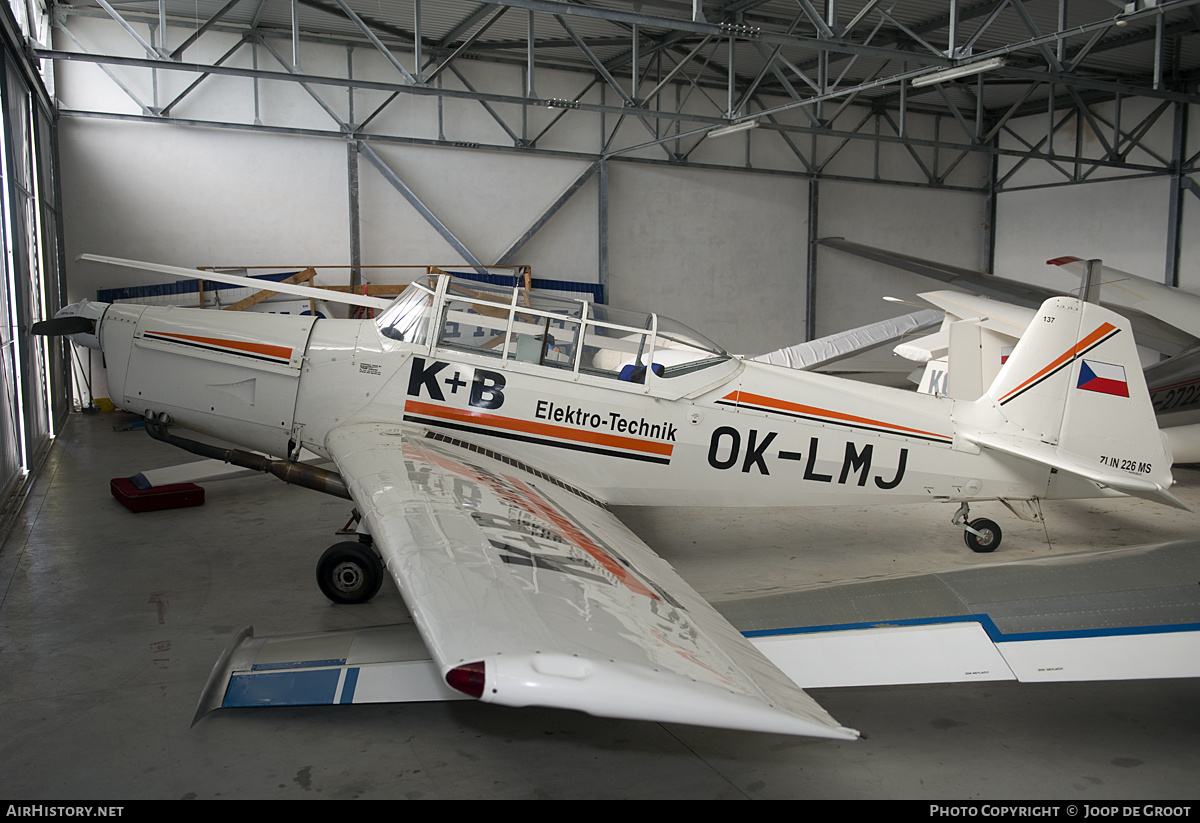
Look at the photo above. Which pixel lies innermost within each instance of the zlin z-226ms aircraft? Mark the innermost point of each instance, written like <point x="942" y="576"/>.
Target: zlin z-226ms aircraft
<point x="482" y="432"/>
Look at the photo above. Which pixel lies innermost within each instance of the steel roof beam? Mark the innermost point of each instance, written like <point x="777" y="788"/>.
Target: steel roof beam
<point x="308" y="88"/>
<point x="911" y="151"/>
<point x="465" y="26"/>
<point x="119" y="83"/>
<point x="768" y="63"/>
<point x="141" y="41"/>
<point x="487" y="106"/>
<point x="466" y="44"/>
<point x="377" y="43"/>
<point x="595" y="61"/>
<point x="1032" y="152"/>
<point x="563" y="112"/>
<point x="402" y="35"/>
<point x="196" y="83"/>
<point x="555" y="7"/>
<point x="198" y="33"/>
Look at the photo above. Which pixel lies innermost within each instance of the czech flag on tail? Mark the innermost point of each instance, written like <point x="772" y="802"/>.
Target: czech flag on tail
<point x="1105" y="378"/>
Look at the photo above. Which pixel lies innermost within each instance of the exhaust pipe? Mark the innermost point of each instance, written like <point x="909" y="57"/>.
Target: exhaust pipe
<point x="289" y="471"/>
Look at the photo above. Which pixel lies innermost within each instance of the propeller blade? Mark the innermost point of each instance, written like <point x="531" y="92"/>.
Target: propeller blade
<point x="64" y="325"/>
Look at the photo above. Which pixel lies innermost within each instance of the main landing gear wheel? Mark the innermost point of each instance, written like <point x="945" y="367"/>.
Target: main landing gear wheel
<point x="349" y="573"/>
<point x="989" y="538"/>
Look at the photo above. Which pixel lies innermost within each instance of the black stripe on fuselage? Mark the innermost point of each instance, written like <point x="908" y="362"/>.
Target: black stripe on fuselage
<point x="932" y="438"/>
<point x="525" y="438"/>
<point x="266" y="358"/>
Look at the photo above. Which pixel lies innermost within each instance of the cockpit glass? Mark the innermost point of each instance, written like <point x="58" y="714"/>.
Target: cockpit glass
<point x="550" y="331"/>
<point x="682" y="350"/>
<point x="407" y="319"/>
<point x="627" y="353"/>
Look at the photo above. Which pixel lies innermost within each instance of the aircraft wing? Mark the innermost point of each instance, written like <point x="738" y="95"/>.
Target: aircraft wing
<point x="1124" y="290"/>
<point x="536" y="590"/>
<point x="1166" y="322"/>
<point x="988" y="285"/>
<point x="836" y="347"/>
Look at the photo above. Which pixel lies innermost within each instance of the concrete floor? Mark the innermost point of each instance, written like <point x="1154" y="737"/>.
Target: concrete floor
<point x="111" y="621"/>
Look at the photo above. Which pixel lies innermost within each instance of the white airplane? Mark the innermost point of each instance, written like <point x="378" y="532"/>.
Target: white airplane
<point x="482" y="433"/>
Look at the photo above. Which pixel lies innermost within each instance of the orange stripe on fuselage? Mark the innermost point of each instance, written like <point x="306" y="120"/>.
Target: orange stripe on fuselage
<point x="282" y="352"/>
<point x="1065" y="356"/>
<point x="800" y="408"/>
<point x="545" y="429"/>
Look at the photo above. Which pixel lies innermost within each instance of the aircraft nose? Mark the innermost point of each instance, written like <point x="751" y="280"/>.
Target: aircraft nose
<point x="79" y="321"/>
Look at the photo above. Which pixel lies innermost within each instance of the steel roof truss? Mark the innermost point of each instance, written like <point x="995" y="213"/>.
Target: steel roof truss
<point x="466" y="44"/>
<point x="111" y="76"/>
<point x="930" y="176"/>
<point x="308" y="88"/>
<point x="487" y="106"/>
<point x="595" y="61"/>
<point x="166" y="110"/>
<point x="124" y="24"/>
<point x="377" y="43"/>
<point x="177" y="54"/>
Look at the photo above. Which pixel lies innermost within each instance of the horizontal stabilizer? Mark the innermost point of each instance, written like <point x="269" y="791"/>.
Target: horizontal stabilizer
<point x="379" y="664"/>
<point x="1055" y="458"/>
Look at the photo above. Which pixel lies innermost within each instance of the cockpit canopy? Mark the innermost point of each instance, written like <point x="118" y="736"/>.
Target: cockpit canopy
<point x="557" y="332"/>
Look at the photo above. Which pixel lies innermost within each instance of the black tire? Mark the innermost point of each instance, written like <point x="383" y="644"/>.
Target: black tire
<point x="991" y="536"/>
<point x="349" y="573"/>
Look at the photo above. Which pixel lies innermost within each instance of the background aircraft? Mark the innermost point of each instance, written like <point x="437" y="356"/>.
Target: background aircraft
<point x="1165" y="320"/>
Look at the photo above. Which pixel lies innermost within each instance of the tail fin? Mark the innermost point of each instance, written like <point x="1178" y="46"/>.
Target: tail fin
<point x="1072" y="396"/>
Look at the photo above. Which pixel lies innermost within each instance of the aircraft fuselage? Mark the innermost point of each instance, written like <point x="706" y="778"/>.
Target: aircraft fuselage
<point x="735" y="433"/>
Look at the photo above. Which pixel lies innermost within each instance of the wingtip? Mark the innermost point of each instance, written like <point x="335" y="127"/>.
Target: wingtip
<point x="218" y="680"/>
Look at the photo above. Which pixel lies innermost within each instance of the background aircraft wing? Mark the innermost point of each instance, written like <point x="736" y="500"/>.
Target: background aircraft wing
<point x="837" y="347"/>
<point x="989" y="285"/>
<point x="1122" y="290"/>
<point x="1157" y="318"/>
<point x="533" y="588"/>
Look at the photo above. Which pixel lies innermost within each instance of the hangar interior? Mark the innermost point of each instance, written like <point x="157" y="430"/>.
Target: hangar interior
<point x="579" y="139"/>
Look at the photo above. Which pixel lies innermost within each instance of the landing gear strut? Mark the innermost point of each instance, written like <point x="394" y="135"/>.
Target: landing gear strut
<point x="981" y="535"/>
<point x="349" y="573"/>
